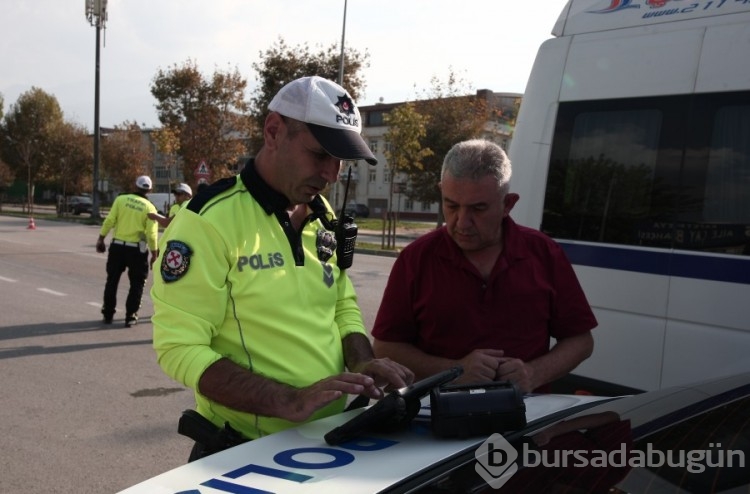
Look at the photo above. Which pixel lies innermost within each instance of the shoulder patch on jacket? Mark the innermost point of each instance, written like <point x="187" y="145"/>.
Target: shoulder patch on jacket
<point x="176" y="260"/>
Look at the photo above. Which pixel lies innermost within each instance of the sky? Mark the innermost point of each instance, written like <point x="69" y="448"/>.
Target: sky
<point x="49" y="44"/>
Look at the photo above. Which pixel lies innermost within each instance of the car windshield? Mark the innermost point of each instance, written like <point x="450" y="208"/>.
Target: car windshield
<point x="630" y="444"/>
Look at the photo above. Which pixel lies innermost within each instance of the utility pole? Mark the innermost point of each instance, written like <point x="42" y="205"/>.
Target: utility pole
<point x="335" y="186"/>
<point x="96" y="14"/>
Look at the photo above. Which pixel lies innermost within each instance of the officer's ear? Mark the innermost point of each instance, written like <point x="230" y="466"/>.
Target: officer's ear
<point x="273" y="129"/>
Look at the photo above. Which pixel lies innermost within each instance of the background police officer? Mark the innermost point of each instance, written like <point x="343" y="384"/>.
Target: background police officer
<point x="134" y="234"/>
<point x="182" y="194"/>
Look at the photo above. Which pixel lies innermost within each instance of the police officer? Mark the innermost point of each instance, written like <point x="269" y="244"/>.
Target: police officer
<point x="182" y="194"/>
<point x="251" y="310"/>
<point x="134" y="234"/>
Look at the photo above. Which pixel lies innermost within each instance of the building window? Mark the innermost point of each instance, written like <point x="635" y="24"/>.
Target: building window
<point x="667" y="171"/>
<point x="372" y="174"/>
<point x="374" y="119"/>
<point x="409" y="205"/>
<point x="387" y="176"/>
<point x="374" y="145"/>
<point x="426" y="206"/>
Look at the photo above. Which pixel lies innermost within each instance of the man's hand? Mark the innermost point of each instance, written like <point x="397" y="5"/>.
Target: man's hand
<point x="154" y="255"/>
<point x="303" y="402"/>
<point x="480" y="366"/>
<point x="385" y="373"/>
<point x="100" y="247"/>
<point x="516" y="371"/>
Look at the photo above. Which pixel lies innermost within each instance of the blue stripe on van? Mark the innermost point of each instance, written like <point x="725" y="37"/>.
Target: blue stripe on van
<point x="666" y="263"/>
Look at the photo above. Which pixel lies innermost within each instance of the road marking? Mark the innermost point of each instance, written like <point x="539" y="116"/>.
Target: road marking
<point x="51" y="292"/>
<point x="9" y="280"/>
<point x="94" y="304"/>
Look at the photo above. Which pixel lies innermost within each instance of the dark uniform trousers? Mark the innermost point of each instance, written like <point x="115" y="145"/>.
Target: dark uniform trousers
<point x="123" y="257"/>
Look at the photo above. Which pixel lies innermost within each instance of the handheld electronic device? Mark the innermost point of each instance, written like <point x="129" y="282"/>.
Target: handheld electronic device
<point x="393" y="412"/>
<point x="346" y="232"/>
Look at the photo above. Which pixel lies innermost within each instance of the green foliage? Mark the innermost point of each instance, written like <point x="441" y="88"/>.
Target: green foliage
<point x="209" y="116"/>
<point x="281" y="64"/>
<point x="404" y="151"/>
<point x="72" y="159"/>
<point x="29" y="135"/>
<point x="452" y="117"/>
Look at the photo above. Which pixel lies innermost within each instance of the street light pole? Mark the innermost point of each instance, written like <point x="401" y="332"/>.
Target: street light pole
<point x="335" y="187"/>
<point x="341" y="61"/>
<point x="96" y="13"/>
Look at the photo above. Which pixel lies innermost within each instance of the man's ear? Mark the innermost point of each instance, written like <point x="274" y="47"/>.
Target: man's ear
<point x="510" y="200"/>
<point x="273" y="129"/>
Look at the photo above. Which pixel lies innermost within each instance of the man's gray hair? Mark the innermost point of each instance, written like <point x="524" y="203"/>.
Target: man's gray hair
<point x="475" y="159"/>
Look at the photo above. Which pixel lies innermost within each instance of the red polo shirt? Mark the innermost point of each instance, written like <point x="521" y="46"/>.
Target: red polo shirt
<point x="436" y="299"/>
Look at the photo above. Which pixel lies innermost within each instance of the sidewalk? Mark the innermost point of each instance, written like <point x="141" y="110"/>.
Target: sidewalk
<point x="368" y="236"/>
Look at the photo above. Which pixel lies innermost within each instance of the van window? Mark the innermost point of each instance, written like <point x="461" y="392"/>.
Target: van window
<point x="670" y="172"/>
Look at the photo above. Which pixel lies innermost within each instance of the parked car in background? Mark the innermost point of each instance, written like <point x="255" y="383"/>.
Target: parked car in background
<point x="75" y="205"/>
<point x="357" y="210"/>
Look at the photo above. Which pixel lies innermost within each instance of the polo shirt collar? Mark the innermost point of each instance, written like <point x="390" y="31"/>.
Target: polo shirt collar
<point x="270" y="200"/>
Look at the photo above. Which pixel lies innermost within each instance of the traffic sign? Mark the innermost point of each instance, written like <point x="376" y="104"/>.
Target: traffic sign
<point x="202" y="170"/>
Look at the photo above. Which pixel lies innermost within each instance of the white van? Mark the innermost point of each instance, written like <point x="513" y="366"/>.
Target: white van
<point x="632" y="150"/>
<point x="162" y="201"/>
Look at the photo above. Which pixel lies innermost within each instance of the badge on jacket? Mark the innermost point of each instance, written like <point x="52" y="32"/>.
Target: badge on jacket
<point x="176" y="261"/>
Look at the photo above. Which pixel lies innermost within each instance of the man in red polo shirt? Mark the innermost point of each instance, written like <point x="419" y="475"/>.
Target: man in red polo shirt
<point x="482" y="291"/>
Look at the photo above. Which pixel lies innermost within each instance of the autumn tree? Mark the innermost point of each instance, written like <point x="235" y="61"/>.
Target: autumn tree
<point x="281" y="64"/>
<point x="126" y="154"/>
<point x="404" y="151"/>
<point x="452" y="117"/>
<point x="6" y="174"/>
<point x="208" y="116"/>
<point x="71" y="159"/>
<point x="28" y="131"/>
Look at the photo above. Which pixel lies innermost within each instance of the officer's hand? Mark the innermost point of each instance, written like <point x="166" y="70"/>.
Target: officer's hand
<point x="306" y="401"/>
<point x="385" y="373"/>
<point x="154" y="255"/>
<point x="100" y="247"/>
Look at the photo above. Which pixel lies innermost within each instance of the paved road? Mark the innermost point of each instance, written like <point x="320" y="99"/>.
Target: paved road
<point x="86" y="409"/>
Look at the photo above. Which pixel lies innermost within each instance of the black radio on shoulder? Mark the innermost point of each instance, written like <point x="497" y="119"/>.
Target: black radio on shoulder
<point x="345" y="231"/>
<point x="476" y="410"/>
<point x="346" y="238"/>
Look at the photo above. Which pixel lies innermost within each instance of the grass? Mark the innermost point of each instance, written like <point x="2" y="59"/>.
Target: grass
<point x="373" y="224"/>
<point x="404" y="226"/>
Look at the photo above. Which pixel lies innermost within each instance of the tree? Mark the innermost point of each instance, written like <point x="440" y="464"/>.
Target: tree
<point x="207" y="115"/>
<point x="126" y="154"/>
<point x="167" y="140"/>
<point x="6" y="174"/>
<point x="71" y="159"/>
<point x="404" y="150"/>
<point x="28" y="136"/>
<point x="452" y="117"/>
<point x="281" y="64"/>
